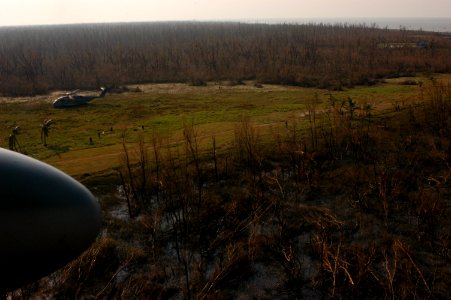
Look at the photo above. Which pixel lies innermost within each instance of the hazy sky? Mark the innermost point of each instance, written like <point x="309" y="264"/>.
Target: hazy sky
<point x="23" y="12"/>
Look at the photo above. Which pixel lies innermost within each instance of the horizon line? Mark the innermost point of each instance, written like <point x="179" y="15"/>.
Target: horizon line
<point x="277" y="20"/>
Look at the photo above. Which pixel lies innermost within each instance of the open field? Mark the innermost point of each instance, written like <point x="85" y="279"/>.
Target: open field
<point x="163" y="109"/>
<point x="244" y="192"/>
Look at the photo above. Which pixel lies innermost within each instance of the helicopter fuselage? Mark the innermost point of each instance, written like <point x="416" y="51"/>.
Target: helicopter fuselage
<point x="71" y="101"/>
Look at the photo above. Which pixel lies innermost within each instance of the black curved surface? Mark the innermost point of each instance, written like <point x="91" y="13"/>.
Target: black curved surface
<point x="47" y="219"/>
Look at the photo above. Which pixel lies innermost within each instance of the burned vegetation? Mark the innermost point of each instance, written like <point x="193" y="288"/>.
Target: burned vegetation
<point x="344" y="202"/>
<point x="35" y="60"/>
<point x="349" y="204"/>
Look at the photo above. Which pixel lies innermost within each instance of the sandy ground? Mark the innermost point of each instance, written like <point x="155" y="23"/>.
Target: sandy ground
<point x="40" y="98"/>
<point x="156" y="88"/>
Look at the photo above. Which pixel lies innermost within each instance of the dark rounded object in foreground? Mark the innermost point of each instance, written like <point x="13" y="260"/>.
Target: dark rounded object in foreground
<point x="47" y="219"/>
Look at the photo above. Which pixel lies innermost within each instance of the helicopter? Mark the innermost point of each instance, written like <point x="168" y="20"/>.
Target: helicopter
<point x="71" y="99"/>
<point x="43" y="226"/>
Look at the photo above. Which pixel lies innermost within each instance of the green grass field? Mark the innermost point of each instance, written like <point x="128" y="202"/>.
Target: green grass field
<point x="281" y="194"/>
<point x="163" y="109"/>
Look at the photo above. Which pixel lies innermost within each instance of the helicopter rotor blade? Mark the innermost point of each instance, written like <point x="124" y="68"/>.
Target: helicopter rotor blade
<point x="73" y="92"/>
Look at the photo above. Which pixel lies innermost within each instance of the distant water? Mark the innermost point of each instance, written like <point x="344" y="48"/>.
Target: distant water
<point x="425" y="24"/>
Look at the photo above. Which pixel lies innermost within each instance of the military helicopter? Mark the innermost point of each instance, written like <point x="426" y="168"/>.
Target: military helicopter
<point x="43" y="226"/>
<point x="71" y="99"/>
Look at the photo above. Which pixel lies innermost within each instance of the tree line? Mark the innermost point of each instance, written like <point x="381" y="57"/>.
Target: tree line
<point x="37" y="59"/>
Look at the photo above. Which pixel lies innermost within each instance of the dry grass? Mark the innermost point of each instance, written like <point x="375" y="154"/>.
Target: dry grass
<point x="348" y="205"/>
<point x="102" y="158"/>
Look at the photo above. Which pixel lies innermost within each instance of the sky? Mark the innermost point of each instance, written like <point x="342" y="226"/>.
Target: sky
<point x="34" y="12"/>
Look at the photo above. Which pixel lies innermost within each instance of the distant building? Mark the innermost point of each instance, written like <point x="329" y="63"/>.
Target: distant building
<point x="393" y="45"/>
<point x="423" y="44"/>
